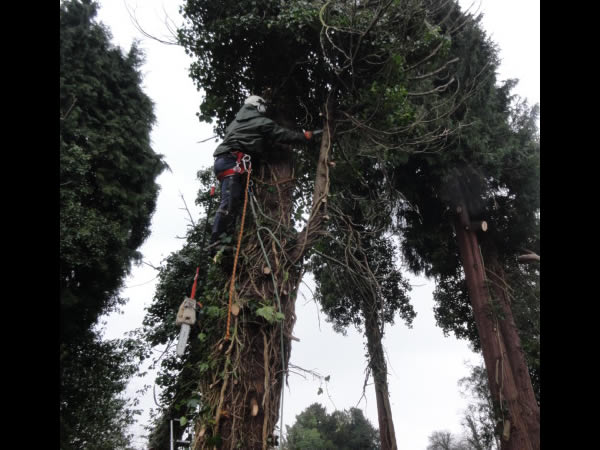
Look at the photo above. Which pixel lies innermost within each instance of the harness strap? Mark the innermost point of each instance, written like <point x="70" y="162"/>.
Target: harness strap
<point x="241" y="157"/>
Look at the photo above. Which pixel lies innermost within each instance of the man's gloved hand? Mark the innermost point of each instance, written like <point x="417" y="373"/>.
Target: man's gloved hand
<point x="308" y="135"/>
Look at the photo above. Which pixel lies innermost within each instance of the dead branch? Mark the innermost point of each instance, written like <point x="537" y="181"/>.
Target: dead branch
<point x="187" y="209"/>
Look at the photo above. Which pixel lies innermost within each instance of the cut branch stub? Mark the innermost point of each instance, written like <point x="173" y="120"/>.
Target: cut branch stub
<point x="253" y="407"/>
<point x="480" y="225"/>
<point x="467" y="223"/>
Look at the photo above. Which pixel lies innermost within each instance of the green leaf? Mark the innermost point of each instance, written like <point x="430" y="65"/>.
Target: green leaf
<point x="182" y="421"/>
<point x="267" y="312"/>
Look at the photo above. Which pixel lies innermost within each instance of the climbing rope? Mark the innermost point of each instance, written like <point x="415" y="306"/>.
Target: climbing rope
<point x="237" y="252"/>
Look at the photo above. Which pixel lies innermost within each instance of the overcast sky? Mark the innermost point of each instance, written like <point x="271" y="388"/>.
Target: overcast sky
<point x="424" y="365"/>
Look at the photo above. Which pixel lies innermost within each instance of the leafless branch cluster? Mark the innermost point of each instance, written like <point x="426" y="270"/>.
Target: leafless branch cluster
<point x="171" y="27"/>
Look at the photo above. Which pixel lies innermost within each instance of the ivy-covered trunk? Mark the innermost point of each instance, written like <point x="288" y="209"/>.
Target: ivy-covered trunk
<point x="242" y="398"/>
<point x="517" y="422"/>
<point x="379" y="370"/>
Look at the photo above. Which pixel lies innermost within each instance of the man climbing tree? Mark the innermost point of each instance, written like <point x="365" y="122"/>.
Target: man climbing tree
<point x="252" y="134"/>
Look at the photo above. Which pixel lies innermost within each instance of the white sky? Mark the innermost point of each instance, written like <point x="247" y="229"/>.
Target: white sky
<point x="424" y="365"/>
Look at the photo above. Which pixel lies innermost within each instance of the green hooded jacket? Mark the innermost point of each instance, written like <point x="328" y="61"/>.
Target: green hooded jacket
<point x="253" y="133"/>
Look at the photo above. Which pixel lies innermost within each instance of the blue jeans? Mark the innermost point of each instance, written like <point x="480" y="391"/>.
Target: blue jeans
<point x="232" y="191"/>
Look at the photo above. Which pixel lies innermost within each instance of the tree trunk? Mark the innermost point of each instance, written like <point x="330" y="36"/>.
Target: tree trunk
<point x="519" y="429"/>
<point x="379" y="370"/>
<point x="527" y="400"/>
<point x="245" y="392"/>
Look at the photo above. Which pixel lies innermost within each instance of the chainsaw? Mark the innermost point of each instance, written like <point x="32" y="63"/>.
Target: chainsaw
<point x="186" y="316"/>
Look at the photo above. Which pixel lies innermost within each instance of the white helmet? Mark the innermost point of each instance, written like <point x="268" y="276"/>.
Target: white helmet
<point x="257" y="101"/>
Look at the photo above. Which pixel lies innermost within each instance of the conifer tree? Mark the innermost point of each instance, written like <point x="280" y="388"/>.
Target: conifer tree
<point x="108" y="193"/>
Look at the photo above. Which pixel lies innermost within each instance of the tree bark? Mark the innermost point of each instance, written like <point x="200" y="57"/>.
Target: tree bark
<point x="527" y="400"/>
<point x="379" y="369"/>
<point x="519" y="429"/>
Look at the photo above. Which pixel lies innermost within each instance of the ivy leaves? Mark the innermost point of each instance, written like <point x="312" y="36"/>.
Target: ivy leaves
<point x="269" y="314"/>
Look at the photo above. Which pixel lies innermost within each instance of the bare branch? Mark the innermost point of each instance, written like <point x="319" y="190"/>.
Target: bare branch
<point x="207" y="139"/>
<point x="186" y="208"/>
<point x="136" y="24"/>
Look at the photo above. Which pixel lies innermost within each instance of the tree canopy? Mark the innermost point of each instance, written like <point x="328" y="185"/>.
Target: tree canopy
<point x="341" y="430"/>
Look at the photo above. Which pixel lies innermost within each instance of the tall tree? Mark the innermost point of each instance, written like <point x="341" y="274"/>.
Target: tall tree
<point x="108" y="193"/>
<point x="491" y="171"/>
<point x="423" y="176"/>
<point x="358" y="282"/>
<point x="108" y="169"/>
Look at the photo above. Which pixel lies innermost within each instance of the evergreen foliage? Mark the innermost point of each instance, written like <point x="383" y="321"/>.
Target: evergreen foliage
<point x="108" y="169"/>
<point x="94" y="414"/>
<point x="108" y="193"/>
<point x="491" y="162"/>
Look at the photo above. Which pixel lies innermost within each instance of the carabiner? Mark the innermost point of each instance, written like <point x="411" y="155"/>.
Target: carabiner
<point x="246" y="161"/>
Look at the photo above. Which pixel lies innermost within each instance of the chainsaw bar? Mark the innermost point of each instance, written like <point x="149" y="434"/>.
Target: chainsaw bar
<point x="184" y="334"/>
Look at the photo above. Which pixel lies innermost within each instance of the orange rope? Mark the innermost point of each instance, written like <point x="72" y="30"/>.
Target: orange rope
<point x="237" y="252"/>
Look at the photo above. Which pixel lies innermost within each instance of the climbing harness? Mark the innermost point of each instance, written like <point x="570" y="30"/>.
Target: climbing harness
<point x="241" y="158"/>
<point x="247" y="169"/>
